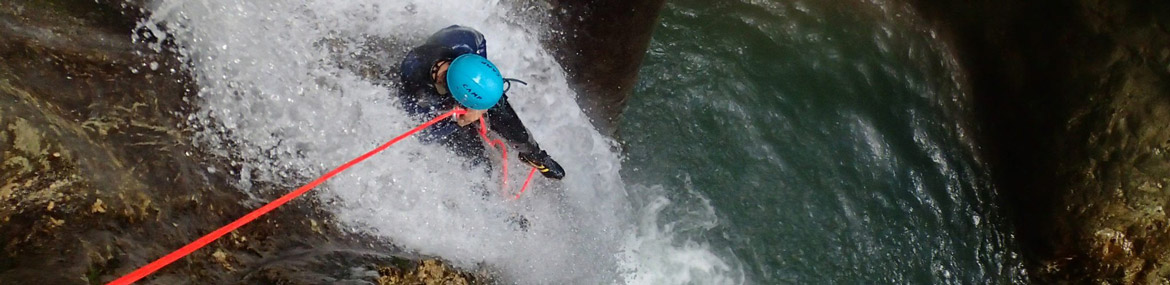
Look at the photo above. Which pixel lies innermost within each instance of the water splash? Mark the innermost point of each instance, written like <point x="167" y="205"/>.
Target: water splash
<point x="288" y="89"/>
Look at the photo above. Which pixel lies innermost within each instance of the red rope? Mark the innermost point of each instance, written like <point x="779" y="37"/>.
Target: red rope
<point x="503" y="160"/>
<point x="203" y="241"/>
<point x="530" y="173"/>
<point x="503" y="150"/>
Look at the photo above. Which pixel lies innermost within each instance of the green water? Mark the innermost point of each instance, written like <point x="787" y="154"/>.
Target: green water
<point x="831" y="140"/>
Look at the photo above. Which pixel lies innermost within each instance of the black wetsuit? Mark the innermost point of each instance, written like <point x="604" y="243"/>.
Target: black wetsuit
<point x="422" y="100"/>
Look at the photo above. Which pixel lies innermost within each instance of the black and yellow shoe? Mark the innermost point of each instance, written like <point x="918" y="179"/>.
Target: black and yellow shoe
<point x="543" y="163"/>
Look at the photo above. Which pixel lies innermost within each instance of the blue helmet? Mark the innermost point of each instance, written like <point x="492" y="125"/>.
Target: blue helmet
<point x="475" y="82"/>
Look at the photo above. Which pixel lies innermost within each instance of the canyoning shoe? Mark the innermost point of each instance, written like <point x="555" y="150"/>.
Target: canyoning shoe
<point x="543" y="163"/>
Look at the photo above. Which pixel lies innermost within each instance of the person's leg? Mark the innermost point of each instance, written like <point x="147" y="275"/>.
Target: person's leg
<point x="467" y="143"/>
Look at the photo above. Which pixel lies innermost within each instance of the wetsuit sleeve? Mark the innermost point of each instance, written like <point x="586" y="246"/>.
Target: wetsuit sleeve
<point x="504" y="121"/>
<point x="416" y="87"/>
<point x="412" y="78"/>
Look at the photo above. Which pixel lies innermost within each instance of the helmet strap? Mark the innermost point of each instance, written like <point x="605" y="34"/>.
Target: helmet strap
<point x="435" y="69"/>
<point x="508" y="83"/>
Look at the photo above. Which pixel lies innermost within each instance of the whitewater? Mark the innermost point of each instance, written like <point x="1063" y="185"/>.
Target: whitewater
<point x="287" y="90"/>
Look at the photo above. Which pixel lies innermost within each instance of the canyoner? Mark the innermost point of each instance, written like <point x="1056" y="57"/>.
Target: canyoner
<point x="316" y="82"/>
<point x="451" y="70"/>
<point x="468" y="88"/>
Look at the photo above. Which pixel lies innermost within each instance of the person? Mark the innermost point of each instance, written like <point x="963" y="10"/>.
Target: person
<point x="452" y="70"/>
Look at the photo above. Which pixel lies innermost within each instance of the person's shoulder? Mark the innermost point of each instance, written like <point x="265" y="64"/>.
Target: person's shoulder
<point x="422" y="57"/>
<point x="456" y="32"/>
<point x="433" y="52"/>
<point x="427" y="50"/>
<point x="461" y="40"/>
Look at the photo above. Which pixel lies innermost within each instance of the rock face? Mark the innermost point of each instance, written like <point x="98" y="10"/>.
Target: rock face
<point x="1074" y="103"/>
<point x="426" y="272"/>
<point x="601" y="44"/>
<point x="98" y="177"/>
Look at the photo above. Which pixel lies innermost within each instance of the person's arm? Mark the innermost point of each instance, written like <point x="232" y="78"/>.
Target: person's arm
<point x="503" y="120"/>
<point x="412" y="79"/>
<point x="416" y="87"/>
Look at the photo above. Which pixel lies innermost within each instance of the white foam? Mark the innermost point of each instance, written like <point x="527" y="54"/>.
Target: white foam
<point x="273" y="97"/>
<point x="664" y="251"/>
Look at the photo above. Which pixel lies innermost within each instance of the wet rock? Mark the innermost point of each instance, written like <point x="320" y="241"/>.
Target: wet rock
<point x="601" y="44"/>
<point x="1072" y="96"/>
<point x="429" y="272"/>
<point x="221" y="257"/>
<point x="98" y="175"/>
<point x="98" y="207"/>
